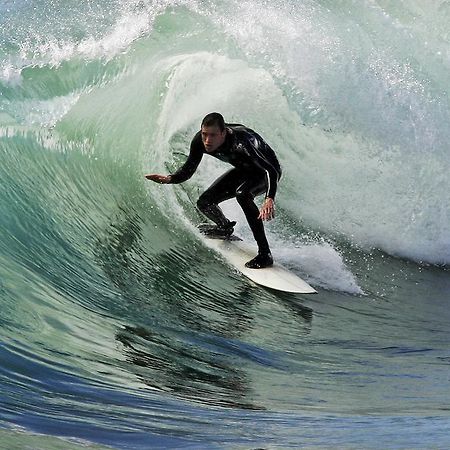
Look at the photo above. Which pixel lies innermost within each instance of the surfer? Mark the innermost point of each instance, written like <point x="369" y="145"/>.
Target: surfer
<point x="256" y="171"/>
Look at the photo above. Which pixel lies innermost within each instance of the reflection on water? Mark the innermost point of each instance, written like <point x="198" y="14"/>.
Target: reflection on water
<point x="189" y="340"/>
<point x="169" y="364"/>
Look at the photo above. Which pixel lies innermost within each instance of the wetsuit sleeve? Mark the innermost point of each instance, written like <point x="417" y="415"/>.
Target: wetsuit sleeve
<point x="259" y="151"/>
<point x="190" y="166"/>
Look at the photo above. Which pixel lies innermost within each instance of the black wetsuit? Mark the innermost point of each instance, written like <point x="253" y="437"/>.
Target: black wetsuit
<point x="256" y="170"/>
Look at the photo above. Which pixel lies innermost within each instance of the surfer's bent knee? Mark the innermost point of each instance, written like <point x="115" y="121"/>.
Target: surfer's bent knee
<point x="243" y="196"/>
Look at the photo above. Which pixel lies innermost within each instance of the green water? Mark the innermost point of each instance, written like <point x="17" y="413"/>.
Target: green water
<point x="120" y="328"/>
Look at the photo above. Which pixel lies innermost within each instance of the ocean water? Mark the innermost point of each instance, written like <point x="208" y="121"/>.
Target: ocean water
<point x="120" y="329"/>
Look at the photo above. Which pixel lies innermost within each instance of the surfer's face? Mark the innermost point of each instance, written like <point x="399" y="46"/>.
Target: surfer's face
<point x="212" y="137"/>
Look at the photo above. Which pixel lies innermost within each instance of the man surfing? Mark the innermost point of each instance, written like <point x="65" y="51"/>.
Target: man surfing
<point x="255" y="171"/>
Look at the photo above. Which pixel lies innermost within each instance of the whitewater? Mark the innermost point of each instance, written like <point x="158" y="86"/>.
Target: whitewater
<point x="120" y="328"/>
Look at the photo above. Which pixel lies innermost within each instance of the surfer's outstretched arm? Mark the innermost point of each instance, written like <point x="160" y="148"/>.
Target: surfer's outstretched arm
<point x="187" y="169"/>
<point x="161" y="179"/>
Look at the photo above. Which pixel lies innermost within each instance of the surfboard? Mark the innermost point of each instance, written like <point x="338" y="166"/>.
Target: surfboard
<point x="237" y="252"/>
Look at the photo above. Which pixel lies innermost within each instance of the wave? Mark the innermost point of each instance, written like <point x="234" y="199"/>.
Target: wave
<point x="361" y="125"/>
<point x="119" y="323"/>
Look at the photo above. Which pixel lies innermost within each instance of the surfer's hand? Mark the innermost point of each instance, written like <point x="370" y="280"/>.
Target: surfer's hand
<point x="161" y="179"/>
<point x="267" y="211"/>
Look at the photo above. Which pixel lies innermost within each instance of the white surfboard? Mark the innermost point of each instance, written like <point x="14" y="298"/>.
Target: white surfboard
<point x="277" y="277"/>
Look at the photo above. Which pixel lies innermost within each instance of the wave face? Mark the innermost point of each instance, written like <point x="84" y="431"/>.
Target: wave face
<point x="119" y="326"/>
<point x="360" y="92"/>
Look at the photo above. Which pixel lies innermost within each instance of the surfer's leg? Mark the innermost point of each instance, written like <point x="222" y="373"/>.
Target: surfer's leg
<point x="222" y="189"/>
<point x="245" y="195"/>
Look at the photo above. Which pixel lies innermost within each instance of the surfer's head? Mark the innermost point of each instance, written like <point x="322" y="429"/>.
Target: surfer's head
<point x="214" y="119"/>
<point x="213" y="131"/>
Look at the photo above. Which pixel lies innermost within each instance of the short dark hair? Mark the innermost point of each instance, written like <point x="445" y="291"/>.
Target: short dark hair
<point x="214" y="119"/>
